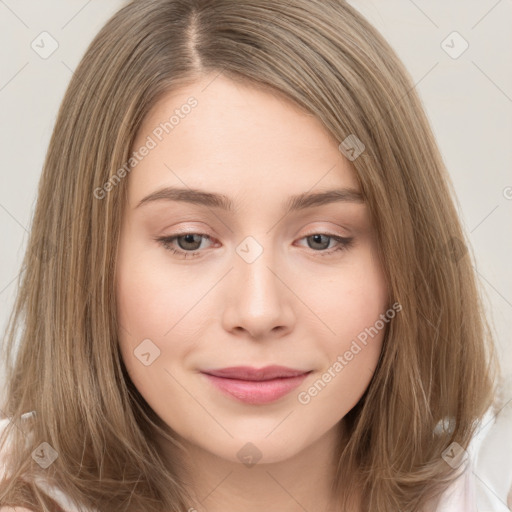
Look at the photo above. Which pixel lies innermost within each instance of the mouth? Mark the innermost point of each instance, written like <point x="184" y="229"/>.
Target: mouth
<point x="256" y="386"/>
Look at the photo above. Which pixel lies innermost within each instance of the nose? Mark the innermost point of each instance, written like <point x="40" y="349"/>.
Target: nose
<point x="259" y="298"/>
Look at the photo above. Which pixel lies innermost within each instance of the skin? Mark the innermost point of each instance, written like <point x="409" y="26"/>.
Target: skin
<point x="295" y="305"/>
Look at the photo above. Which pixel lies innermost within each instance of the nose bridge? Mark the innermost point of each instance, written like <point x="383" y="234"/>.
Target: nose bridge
<point x="254" y="265"/>
<point x="258" y="298"/>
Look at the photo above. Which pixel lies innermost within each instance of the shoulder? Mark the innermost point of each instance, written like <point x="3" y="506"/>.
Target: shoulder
<point x="482" y="486"/>
<point x="493" y="461"/>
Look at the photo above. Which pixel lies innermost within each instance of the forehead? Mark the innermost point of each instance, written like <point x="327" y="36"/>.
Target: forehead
<point x="225" y="135"/>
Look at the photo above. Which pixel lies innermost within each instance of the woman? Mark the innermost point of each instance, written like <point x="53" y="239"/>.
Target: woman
<point x="257" y="368"/>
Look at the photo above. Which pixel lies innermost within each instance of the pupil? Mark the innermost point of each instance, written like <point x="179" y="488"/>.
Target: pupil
<point x="189" y="239"/>
<point x="318" y="239"/>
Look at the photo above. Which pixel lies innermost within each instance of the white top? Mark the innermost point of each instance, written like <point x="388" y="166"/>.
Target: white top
<point x="486" y="483"/>
<point x="483" y="486"/>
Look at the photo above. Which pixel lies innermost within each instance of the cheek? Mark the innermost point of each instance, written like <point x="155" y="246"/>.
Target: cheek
<point x="156" y="302"/>
<point x="349" y="302"/>
<point x="145" y="311"/>
<point x="145" y="307"/>
<point x="154" y="296"/>
<point x="355" y="314"/>
<point x="148" y="316"/>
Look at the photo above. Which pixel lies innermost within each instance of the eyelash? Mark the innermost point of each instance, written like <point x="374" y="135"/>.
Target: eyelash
<point x="344" y="244"/>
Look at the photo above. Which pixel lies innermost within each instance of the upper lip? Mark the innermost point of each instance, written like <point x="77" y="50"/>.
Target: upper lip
<point x="250" y="373"/>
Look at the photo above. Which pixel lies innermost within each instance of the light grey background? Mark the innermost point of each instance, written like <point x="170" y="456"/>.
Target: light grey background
<point x="467" y="99"/>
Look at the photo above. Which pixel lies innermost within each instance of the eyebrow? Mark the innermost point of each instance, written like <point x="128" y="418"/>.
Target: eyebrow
<point x="221" y="201"/>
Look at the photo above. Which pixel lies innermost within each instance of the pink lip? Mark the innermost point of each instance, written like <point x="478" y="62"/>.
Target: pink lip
<point x="256" y="386"/>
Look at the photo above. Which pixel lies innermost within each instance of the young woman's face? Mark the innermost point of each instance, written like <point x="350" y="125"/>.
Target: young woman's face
<point x="268" y="281"/>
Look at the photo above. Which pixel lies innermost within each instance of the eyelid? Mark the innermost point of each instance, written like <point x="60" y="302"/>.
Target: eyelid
<point x="327" y="232"/>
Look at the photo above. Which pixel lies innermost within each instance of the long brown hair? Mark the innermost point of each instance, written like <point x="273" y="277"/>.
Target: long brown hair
<point x="61" y="347"/>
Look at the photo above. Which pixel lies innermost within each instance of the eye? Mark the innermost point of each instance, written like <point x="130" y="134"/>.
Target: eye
<point x="322" y="241"/>
<point x="189" y="244"/>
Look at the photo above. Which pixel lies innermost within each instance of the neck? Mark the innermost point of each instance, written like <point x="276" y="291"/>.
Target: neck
<point x="301" y="482"/>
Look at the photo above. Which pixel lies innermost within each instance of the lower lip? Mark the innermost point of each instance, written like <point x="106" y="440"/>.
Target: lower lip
<point x="257" y="392"/>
